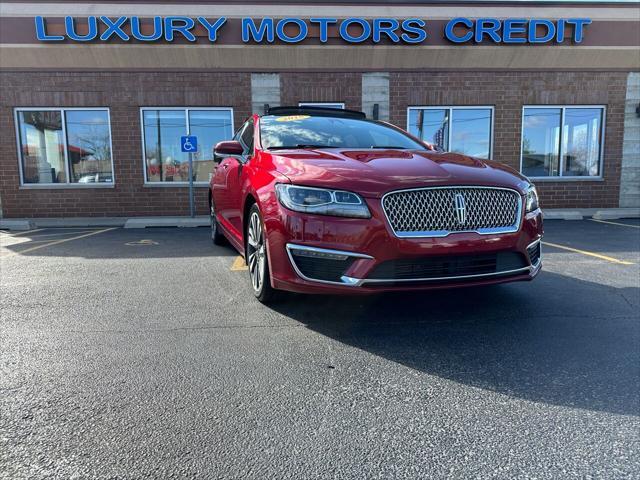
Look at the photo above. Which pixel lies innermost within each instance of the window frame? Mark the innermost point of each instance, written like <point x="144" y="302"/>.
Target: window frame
<point x="321" y="104"/>
<point x="68" y="183"/>
<point x="450" y="108"/>
<point x="567" y="178"/>
<point x="186" y="111"/>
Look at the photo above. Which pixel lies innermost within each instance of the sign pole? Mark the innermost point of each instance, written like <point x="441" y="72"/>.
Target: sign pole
<point x="189" y="144"/>
<point x="191" y="202"/>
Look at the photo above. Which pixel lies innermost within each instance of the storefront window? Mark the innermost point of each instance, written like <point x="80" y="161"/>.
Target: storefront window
<point x="164" y="162"/>
<point x="562" y="141"/>
<point x="62" y="146"/>
<point x="465" y="130"/>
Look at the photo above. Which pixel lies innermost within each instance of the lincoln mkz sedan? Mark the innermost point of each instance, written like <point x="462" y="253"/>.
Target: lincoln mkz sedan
<point x="326" y="201"/>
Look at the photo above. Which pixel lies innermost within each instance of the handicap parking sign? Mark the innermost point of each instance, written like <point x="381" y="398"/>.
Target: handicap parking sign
<point x="189" y="143"/>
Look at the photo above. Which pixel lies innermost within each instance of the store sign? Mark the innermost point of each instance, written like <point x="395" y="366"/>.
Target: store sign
<point x="295" y="30"/>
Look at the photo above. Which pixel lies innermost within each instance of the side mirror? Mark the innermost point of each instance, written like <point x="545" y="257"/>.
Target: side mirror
<point x="227" y="149"/>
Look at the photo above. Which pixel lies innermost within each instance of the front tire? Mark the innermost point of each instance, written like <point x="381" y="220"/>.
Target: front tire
<point x="257" y="260"/>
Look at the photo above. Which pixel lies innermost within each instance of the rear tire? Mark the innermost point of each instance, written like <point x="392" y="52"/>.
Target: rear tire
<point x="257" y="259"/>
<point x="217" y="237"/>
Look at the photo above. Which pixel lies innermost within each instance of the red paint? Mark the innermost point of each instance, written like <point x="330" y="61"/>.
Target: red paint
<point x="370" y="173"/>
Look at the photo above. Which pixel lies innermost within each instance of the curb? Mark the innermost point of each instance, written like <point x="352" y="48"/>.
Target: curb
<point x="17" y="225"/>
<point x="180" y="222"/>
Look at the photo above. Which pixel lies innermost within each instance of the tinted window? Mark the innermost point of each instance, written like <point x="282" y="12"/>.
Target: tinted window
<point x="330" y="132"/>
<point x="247" y="137"/>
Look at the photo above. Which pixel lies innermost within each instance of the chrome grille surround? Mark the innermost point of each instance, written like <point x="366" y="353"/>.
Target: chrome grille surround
<point x="431" y="211"/>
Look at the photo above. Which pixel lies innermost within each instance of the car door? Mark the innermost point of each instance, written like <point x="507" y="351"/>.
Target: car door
<point x="228" y="183"/>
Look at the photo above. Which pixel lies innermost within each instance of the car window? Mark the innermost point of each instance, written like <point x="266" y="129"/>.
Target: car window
<point x="280" y="131"/>
<point x="246" y="137"/>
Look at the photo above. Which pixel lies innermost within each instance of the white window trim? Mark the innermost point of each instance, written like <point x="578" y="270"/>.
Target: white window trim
<point x="457" y="107"/>
<point x="68" y="183"/>
<point x="161" y="184"/>
<point x="320" y="104"/>
<point x="568" y="178"/>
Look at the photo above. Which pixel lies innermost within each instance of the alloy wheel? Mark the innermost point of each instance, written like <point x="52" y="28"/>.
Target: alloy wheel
<point x="256" y="253"/>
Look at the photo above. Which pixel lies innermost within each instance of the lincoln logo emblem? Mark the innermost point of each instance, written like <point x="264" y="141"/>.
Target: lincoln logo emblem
<point x="461" y="209"/>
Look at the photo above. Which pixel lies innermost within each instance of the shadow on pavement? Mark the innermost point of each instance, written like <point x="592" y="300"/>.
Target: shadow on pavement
<point x="525" y="340"/>
<point x="120" y="243"/>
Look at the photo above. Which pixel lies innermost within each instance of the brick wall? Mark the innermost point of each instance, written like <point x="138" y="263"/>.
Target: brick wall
<point x="125" y="93"/>
<point x="508" y="92"/>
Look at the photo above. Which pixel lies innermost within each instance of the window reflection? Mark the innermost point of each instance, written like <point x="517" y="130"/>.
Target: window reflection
<point x="541" y="142"/>
<point x="211" y="127"/>
<point x="562" y="141"/>
<point x="42" y="146"/>
<point x="89" y="146"/>
<point x="165" y="162"/>
<point x="581" y="141"/>
<point x="430" y="125"/>
<point x="471" y="131"/>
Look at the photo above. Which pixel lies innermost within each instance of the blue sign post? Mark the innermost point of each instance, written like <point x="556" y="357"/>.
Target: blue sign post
<point x="189" y="144"/>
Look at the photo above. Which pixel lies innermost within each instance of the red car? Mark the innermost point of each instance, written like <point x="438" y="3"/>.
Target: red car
<point x="326" y="201"/>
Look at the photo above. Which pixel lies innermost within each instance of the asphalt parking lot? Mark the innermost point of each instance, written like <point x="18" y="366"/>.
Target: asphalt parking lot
<point x="143" y="354"/>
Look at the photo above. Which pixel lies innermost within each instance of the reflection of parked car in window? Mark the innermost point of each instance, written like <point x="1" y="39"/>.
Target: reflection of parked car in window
<point x="96" y="178"/>
<point x="326" y="201"/>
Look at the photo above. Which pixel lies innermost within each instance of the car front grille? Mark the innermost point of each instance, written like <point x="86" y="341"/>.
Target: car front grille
<point x="445" y="267"/>
<point x="439" y="211"/>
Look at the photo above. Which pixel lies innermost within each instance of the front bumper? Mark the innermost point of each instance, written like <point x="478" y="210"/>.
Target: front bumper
<point x="322" y="254"/>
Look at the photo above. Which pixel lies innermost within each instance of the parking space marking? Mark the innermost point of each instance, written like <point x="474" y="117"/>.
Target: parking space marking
<point x="239" y="264"/>
<point x="614" y="223"/>
<point x="590" y="254"/>
<point x="57" y="242"/>
<point x="7" y="234"/>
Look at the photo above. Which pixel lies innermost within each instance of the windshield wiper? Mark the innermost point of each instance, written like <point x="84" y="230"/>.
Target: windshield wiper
<point x="299" y="145"/>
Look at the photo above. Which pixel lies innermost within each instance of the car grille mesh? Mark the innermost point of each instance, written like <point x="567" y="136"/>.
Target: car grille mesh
<point x="433" y="210"/>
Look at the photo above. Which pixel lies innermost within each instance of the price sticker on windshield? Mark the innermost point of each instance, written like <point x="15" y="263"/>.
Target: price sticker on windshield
<point x="292" y="118"/>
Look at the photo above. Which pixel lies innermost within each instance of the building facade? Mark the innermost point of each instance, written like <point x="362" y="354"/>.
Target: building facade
<point x="95" y="96"/>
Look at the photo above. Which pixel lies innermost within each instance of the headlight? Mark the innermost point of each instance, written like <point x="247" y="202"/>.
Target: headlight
<point x="322" y="201"/>
<point x="531" y="199"/>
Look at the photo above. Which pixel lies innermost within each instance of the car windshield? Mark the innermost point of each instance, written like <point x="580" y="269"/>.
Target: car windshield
<point x="306" y="131"/>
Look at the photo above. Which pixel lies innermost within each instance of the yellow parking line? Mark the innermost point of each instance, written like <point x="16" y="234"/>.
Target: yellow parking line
<point x="591" y="254"/>
<point x="615" y="223"/>
<point x="57" y="242"/>
<point x="239" y="264"/>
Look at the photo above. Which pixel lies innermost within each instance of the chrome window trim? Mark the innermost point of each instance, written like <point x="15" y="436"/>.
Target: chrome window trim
<point x="363" y="281"/>
<point x="293" y="246"/>
<point x="445" y="233"/>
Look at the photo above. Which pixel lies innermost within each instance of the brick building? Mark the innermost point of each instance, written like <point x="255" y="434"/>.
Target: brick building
<point x="91" y="114"/>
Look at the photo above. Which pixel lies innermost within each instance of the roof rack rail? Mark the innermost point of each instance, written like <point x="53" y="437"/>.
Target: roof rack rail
<point x="333" y="112"/>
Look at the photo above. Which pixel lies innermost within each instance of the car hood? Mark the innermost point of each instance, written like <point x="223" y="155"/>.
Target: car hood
<point x="372" y="173"/>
